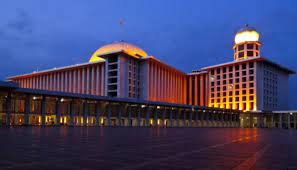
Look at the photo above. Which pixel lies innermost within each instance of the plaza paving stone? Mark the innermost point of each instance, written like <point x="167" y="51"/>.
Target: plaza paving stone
<point x="147" y="148"/>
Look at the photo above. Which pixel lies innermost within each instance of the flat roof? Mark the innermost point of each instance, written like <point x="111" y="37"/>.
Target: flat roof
<point x="8" y="84"/>
<point x="105" y="98"/>
<point x="262" y="59"/>
<point x="55" y="69"/>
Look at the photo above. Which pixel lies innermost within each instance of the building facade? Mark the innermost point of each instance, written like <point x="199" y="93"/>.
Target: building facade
<point x="122" y="70"/>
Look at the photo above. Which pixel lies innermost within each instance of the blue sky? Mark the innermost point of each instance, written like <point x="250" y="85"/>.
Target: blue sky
<point x="187" y="34"/>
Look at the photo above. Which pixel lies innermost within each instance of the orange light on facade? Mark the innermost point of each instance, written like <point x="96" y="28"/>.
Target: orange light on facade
<point x="118" y="46"/>
<point x="102" y="121"/>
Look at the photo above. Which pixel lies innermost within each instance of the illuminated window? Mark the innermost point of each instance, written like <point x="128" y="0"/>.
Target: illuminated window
<point x="237" y="106"/>
<point x="243" y="106"/>
<point x="252" y="106"/>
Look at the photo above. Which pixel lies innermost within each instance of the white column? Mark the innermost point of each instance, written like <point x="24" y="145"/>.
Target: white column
<point x="139" y="116"/>
<point x="86" y="112"/>
<point x="58" y="112"/>
<point x="156" y="118"/>
<point x="109" y="114"/>
<point x="147" y="109"/>
<point x="43" y="111"/>
<point x="295" y="120"/>
<point x="196" y="118"/>
<point x="272" y="120"/>
<point x="27" y="110"/>
<point x="190" y="118"/>
<point x="120" y="115"/>
<point x="72" y="112"/>
<point x="251" y="120"/>
<point x="171" y="117"/>
<point x="98" y="114"/>
<point x="178" y="118"/>
<point x="289" y="121"/>
<point x="185" y="118"/>
<point x="280" y="121"/>
<point x="129" y="116"/>
<point x="164" y="117"/>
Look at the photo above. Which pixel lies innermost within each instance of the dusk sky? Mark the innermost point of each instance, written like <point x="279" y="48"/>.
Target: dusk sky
<point x="185" y="34"/>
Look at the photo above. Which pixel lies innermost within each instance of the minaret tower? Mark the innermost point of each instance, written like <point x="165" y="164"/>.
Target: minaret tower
<point x="247" y="43"/>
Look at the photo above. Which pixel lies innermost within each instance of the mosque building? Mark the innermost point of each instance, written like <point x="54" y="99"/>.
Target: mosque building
<point x="249" y="83"/>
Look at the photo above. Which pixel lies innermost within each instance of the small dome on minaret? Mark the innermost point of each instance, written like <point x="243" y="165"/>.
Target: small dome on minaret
<point x="246" y="34"/>
<point x="246" y="43"/>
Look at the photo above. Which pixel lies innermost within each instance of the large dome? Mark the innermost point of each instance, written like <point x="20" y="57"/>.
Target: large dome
<point x="246" y="34"/>
<point x="118" y="46"/>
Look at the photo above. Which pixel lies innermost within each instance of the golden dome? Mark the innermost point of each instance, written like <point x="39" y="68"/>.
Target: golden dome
<point x="118" y="46"/>
<point x="246" y="34"/>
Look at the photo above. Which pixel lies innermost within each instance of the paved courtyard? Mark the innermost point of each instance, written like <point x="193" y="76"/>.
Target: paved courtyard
<point x="147" y="148"/>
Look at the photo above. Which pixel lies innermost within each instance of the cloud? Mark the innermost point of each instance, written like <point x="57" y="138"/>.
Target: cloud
<point x="22" y="23"/>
